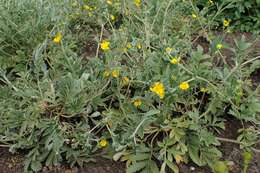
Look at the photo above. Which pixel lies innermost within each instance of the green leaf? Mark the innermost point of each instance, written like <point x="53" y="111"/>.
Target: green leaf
<point x="255" y="106"/>
<point x="194" y="155"/>
<point x="140" y="156"/>
<point x="136" y="167"/>
<point x="118" y="155"/>
<point x="220" y="167"/>
<point x="36" y="166"/>
<point x="154" y="167"/>
<point x="173" y="166"/>
<point x="152" y="112"/>
<point x="162" y="170"/>
<point x="50" y="158"/>
<point x="193" y="148"/>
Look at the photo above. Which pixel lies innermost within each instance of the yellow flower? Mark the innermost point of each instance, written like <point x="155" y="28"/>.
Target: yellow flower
<point x="203" y="89"/>
<point x="168" y="50"/>
<point x="112" y="17"/>
<point x="115" y="73"/>
<point x="137" y="102"/>
<point x="110" y="2"/>
<point x="106" y="73"/>
<point x="105" y="45"/>
<point x="137" y="3"/>
<point x="74" y="4"/>
<point x="178" y="159"/>
<point x="159" y="89"/>
<point x="57" y="38"/>
<point x="103" y="143"/>
<point x="86" y="7"/>
<point x="129" y="45"/>
<point x="226" y="22"/>
<point x="184" y="86"/>
<point x="138" y="45"/>
<point x="124" y="49"/>
<point x="125" y="80"/>
<point x="194" y="16"/>
<point x="90" y="14"/>
<point x="219" y="46"/>
<point x="175" y="60"/>
<point x="210" y="2"/>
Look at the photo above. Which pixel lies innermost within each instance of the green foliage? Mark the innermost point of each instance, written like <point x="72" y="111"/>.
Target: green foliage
<point x="220" y="167"/>
<point x="57" y="103"/>
<point x="244" y="14"/>
<point x="247" y="158"/>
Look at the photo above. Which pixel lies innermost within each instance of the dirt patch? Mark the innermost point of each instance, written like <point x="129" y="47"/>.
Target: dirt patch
<point x="10" y="163"/>
<point x="255" y="76"/>
<point x="13" y="163"/>
<point x="232" y="152"/>
<point x="100" y="166"/>
<point x="90" y="49"/>
<point x="229" y="40"/>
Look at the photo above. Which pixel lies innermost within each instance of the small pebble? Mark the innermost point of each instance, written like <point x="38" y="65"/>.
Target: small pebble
<point x="192" y="168"/>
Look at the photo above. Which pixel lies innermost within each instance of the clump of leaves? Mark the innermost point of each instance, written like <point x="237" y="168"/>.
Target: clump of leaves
<point x="242" y="15"/>
<point x="149" y="92"/>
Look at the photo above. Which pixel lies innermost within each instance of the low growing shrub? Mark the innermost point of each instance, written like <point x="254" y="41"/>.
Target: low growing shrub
<point x="148" y="94"/>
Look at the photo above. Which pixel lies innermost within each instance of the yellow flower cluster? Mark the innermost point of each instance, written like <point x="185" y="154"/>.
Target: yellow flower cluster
<point x="105" y="45"/>
<point x="137" y="3"/>
<point x="114" y="73"/>
<point x="57" y="39"/>
<point x="210" y="2"/>
<point x="129" y="45"/>
<point x="86" y="7"/>
<point x="219" y="46"/>
<point x="158" y="88"/>
<point x="139" y="46"/>
<point x="226" y="22"/>
<point x="103" y="143"/>
<point x="137" y="102"/>
<point x="89" y="9"/>
<point x="125" y="80"/>
<point x="194" y="16"/>
<point x="110" y="2"/>
<point x="168" y="50"/>
<point x="175" y="60"/>
<point x="184" y="86"/>
<point x="112" y="17"/>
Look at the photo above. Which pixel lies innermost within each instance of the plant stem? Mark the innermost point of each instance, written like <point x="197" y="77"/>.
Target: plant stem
<point x="242" y="65"/>
<point x="236" y="142"/>
<point x="100" y="39"/>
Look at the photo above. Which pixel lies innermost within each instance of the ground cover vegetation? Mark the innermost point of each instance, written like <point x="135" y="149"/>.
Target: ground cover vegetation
<point x="125" y="80"/>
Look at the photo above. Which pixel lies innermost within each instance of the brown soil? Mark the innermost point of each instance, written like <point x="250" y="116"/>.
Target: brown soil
<point x="10" y="163"/>
<point x="13" y="163"/>
<point x="229" y="41"/>
<point x="232" y="152"/>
